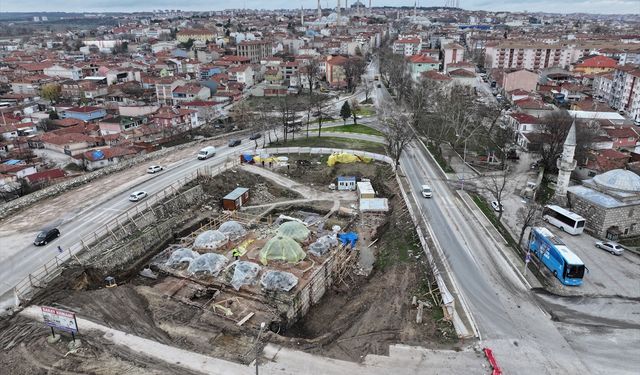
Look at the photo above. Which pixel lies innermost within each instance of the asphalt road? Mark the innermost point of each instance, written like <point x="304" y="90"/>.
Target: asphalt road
<point x="75" y="225"/>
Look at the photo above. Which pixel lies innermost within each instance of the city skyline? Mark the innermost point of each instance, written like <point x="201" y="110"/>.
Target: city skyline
<point x="549" y="6"/>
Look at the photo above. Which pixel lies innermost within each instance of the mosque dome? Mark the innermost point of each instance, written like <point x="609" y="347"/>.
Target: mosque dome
<point x="619" y="180"/>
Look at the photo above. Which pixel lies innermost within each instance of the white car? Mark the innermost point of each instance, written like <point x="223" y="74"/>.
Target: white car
<point x="612" y="247"/>
<point x="496" y="206"/>
<point x="426" y="192"/>
<point x="154" y="169"/>
<point x="137" y="195"/>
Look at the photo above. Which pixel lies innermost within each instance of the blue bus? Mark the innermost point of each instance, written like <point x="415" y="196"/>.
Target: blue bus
<point x="562" y="262"/>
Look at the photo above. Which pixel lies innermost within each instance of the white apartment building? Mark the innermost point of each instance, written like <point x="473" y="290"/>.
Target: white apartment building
<point x="532" y="55"/>
<point x="602" y="84"/>
<point x="407" y="46"/>
<point x="625" y="91"/>
<point x="70" y="72"/>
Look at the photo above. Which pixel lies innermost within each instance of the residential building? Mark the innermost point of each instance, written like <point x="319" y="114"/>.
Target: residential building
<point x="453" y="53"/>
<point x="104" y="157"/>
<point x="335" y="72"/>
<point x="87" y="113"/>
<point x="408" y="46"/>
<point x="255" y="50"/>
<point x="623" y="137"/>
<point x="625" y="90"/>
<point x="522" y="79"/>
<point x="69" y="72"/>
<point x="533" y="55"/>
<point x="164" y="89"/>
<point x="421" y="63"/>
<point x="595" y="65"/>
<point x="195" y="34"/>
<point x="190" y="92"/>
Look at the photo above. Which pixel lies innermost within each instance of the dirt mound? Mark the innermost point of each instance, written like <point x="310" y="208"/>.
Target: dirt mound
<point x="261" y="190"/>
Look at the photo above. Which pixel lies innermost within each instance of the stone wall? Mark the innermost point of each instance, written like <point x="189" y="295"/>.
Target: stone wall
<point x="599" y="219"/>
<point x="17" y="204"/>
<point x="145" y="232"/>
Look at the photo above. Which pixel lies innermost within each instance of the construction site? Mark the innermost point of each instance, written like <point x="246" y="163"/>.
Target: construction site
<point x="332" y="271"/>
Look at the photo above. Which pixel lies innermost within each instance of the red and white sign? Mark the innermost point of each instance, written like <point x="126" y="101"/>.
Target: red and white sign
<point x="60" y="319"/>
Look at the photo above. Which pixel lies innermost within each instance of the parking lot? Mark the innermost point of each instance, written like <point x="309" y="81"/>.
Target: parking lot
<point x="608" y="275"/>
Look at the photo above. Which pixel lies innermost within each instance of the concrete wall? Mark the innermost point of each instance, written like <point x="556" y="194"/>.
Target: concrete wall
<point x="6" y="209"/>
<point x="599" y="219"/>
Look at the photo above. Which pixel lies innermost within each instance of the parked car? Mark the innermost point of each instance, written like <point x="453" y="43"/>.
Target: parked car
<point x="497" y="206"/>
<point x="255" y="136"/>
<point x="154" y="169"/>
<point x="612" y="247"/>
<point x="137" y="195"/>
<point x="46" y="235"/>
<point x="234" y="142"/>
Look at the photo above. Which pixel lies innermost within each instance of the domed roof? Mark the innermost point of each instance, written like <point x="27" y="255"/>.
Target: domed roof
<point x="295" y="230"/>
<point x="620" y="180"/>
<point x="282" y="248"/>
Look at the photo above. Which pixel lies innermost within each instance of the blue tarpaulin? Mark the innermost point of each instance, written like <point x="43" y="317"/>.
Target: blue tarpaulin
<point x="12" y="162"/>
<point x="247" y="158"/>
<point x="349" y="238"/>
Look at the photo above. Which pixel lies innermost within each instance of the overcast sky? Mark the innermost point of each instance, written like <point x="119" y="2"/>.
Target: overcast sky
<point x="555" y="6"/>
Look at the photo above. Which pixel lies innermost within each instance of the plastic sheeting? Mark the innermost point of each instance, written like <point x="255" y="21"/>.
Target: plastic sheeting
<point x="245" y="273"/>
<point x="323" y="245"/>
<point x="345" y="158"/>
<point x="233" y="230"/>
<point x="209" y="264"/>
<point x="181" y="257"/>
<point x="278" y="281"/>
<point x="282" y="248"/>
<point x="295" y="230"/>
<point x="349" y="238"/>
<point x="210" y="240"/>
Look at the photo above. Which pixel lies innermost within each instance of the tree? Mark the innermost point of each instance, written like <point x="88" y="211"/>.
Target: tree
<point x="51" y="92"/>
<point x="496" y="185"/>
<point x="186" y="45"/>
<point x="345" y="111"/>
<point x="528" y="216"/>
<point x="53" y="115"/>
<point x="320" y="104"/>
<point x="353" y="70"/>
<point x="354" y="110"/>
<point x="397" y="133"/>
<point x="367" y="87"/>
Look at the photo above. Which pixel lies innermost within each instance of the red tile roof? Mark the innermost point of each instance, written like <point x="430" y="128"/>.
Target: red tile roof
<point x="47" y="175"/>
<point x="422" y="59"/>
<point x="598" y="62"/>
<point x="461" y="73"/>
<point x="85" y="109"/>
<point x="525" y="118"/>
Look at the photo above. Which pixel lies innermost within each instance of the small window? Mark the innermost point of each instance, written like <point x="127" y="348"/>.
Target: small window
<point x="632" y="228"/>
<point x="631" y="212"/>
<point x="626" y="231"/>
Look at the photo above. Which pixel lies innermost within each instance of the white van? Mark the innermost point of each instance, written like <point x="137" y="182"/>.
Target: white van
<point x="425" y="190"/>
<point x="206" y="152"/>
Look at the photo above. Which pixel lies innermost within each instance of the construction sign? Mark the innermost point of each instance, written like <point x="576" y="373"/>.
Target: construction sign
<point x="60" y="319"/>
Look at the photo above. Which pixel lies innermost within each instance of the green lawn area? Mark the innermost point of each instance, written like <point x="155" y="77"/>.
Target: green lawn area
<point x="332" y="142"/>
<point x="362" y="129"/>
<point x="491" y="215"/>
<point x="365" y="111"/>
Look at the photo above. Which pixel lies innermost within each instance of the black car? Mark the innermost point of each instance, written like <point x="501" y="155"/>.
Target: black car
<point x="46" y="235"/>
<point x="234" y="142"/>
<point x="255" y="136"/>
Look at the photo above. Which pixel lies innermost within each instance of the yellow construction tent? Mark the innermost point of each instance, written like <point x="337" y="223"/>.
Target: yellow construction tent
<point x="346" y="158"/>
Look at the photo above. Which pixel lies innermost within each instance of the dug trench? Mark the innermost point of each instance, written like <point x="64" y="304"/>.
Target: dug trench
<point x="363" y="315"/>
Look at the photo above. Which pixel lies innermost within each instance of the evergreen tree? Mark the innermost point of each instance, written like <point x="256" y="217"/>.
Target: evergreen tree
<point x="345" y="111"/>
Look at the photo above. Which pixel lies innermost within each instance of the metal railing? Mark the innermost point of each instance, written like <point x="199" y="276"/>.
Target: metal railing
<point x="50" y="269"/>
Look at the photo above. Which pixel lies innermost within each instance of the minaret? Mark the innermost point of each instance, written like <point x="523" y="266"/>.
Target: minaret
<point x="415" y="9"/>
<point x="566" y="165"/>
<point x="338" y="14"/>
<point x="301" y="15"/>
<point x="370" y="7"/>
<point x="319" y="10"/>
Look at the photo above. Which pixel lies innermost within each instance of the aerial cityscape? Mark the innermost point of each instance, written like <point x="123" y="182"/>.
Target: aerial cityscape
<point x="345" y="187"/>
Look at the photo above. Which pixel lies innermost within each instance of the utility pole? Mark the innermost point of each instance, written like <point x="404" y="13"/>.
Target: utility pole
<point x="262" y="325"/>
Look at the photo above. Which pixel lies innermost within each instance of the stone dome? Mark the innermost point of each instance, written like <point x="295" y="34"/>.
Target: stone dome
<point x="619" y="180"/>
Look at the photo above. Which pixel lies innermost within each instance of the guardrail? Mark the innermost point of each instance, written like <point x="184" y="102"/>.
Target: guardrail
<point x="50" y="269"/>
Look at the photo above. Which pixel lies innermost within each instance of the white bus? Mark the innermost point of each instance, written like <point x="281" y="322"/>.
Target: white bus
<point x="566" y="220"/>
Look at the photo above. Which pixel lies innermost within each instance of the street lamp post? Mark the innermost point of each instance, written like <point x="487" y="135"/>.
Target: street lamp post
<point x="262" y="325"/>
<point x="464" y="162"/>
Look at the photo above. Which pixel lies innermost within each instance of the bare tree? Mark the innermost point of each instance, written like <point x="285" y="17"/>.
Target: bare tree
<point x="355" y="106"/>
<point x="397" y="133"/>
<point x="496" y="185"/>
<point x="353" y="70"/>
<point x="554" y="128"/>
<point x="320" y="106"/>
<point x="367" y="87"/>
<point x="528" y="216"/>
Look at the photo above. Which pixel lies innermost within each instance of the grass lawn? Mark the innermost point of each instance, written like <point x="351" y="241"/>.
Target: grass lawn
<point x="366" y="111"/>
<point x="362" y="129"/>
<point x="491" y="215"/>
<point x="332" y="142"/>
